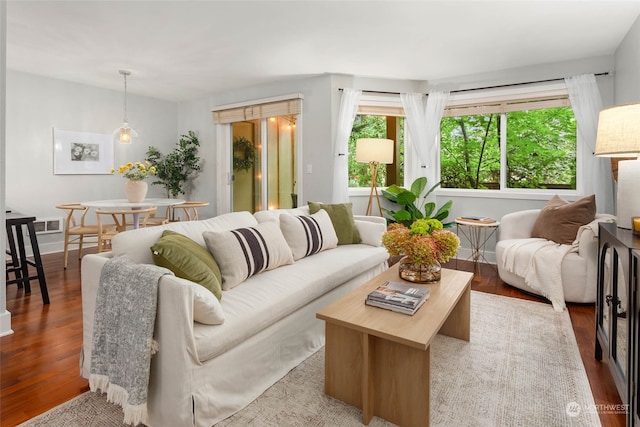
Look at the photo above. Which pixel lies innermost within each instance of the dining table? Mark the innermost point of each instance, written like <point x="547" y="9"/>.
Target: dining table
<point x="125" y="204"/>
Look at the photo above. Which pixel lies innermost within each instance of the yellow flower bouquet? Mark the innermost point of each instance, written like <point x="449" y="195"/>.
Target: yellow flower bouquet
<point x="136" y="171"/>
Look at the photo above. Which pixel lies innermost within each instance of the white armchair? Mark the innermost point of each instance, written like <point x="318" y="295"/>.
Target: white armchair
<point x="579" y="267"/>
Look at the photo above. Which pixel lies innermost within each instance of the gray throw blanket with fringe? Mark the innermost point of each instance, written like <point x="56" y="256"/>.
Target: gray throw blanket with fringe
<point x="123" y="334"/>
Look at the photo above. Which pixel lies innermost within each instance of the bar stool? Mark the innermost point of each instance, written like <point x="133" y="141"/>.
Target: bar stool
<point x="19" y="263"/>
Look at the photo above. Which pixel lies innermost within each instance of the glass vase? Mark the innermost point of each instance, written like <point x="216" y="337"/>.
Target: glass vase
<point x="419" y="273"/>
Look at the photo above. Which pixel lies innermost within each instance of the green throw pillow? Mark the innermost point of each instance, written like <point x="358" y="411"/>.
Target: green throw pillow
<point x="342" y="218"/>
<point x="188" y="260"/>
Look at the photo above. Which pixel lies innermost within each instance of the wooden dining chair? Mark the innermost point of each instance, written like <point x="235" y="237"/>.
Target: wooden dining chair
<point x="159" y="220"/>
<point x="114" y="221"/>
<point x="190" y="209"/>
<point x="76" y="232"/>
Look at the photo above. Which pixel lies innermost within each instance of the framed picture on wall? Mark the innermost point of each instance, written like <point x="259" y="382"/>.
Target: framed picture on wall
<point x="81" y="153"/>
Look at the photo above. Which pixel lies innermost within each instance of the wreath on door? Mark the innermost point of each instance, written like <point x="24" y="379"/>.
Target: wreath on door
<point x="244" y="154"/>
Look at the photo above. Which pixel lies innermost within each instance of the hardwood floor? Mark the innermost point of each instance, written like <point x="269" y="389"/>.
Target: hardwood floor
<point x="40" y="361"/>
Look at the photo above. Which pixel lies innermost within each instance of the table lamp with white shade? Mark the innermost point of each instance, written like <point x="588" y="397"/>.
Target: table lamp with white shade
<point x="619" y="136"/>
<point x="374" y="151"/>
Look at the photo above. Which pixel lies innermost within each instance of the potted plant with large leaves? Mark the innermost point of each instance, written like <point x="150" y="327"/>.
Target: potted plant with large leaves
<point x="414" y="205"/>
<point x="176" y="170"/>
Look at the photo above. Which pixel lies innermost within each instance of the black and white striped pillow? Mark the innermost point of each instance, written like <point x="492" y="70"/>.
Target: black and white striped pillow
<point x="308" y="235"/>
<point x="243" y="252"/>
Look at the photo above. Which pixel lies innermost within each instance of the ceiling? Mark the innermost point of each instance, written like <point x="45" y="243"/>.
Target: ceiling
<point x="180" y="50"/>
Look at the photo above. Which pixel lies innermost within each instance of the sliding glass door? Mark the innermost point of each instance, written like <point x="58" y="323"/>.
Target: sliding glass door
<point x="264" y="164"/>
<point x="258" y="150"/>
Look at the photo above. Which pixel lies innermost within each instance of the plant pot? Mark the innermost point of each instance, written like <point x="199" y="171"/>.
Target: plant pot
<point x="419" y="273"/>
<point x="135" y="191"/>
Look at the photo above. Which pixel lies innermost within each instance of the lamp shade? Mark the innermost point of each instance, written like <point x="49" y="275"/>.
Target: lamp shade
<point x="619" y="136"/>
<point x="374" y="150"/>
<point x="124" y="134"/>
<point x="619" y="131"/>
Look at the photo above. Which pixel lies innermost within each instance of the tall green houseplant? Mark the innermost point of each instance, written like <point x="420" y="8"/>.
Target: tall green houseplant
<point x="176" y="170"/>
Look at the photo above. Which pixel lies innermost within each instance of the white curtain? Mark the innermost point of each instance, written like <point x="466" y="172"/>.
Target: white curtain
<point x="587" y="103"/>
<point x="415" y="159"/>
<point x="424" y="128"/>
<point x="436" y="103"/>
<point x="348" y="109"/>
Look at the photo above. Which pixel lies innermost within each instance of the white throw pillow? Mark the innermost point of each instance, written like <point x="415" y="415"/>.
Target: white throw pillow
<point x="308" y="234"/>
<point x="206" y="307"/>
<point x="371" y="232"/>
<point x="243" y="252"/>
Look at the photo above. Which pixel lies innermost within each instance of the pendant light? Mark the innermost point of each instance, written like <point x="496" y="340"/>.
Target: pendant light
<point x="124" y="134"/>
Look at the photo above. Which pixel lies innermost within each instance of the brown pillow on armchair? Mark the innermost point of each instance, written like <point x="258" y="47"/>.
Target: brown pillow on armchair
<point x="560" y="220"/>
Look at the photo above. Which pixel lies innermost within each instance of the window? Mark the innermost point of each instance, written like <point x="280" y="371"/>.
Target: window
<point x="513" y="144"/>
<point x="376" y="121"/>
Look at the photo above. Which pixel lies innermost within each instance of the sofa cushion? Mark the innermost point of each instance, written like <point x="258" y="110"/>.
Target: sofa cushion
<point x="264" y="299"/>
<point x="273" y="215"/>
<point x="243" y="252"/>
<point x="308" y="234"/>
<point x="135" y="244"/>
<point x="560" y="220"/>
<point x="341" y="216"/>
<point x="188" y="260"/>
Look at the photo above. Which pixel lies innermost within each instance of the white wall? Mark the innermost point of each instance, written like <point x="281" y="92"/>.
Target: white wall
<point x="627" y="65"/>
<point x="35" y="105"/>
<point x="316" y="140"/>
<point x="196" y="115"/>
<point x="5" y="316"/>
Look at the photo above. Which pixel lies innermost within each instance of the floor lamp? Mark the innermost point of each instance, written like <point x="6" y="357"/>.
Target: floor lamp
<point x="619" y="136"/>
<point x="374" y="151"/>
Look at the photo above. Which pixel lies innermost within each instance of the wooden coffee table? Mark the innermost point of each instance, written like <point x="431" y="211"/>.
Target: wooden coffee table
<point x="378" y="360"/>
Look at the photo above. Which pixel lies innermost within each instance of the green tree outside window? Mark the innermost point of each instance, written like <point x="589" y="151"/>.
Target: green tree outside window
<point x="540" y="150"/>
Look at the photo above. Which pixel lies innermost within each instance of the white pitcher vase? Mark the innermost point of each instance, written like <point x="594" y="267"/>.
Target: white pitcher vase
<point x="135" y="191"/>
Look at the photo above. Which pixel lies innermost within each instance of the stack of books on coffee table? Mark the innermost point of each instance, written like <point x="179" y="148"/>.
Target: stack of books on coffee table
<point x="398" y="297"/>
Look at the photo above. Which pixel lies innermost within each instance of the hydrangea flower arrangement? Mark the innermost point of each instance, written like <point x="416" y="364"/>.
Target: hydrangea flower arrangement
<point x="423" y="243"/>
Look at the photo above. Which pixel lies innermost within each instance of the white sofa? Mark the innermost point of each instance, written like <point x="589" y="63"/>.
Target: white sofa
<point x="579" y="266"/>
<point x="205" y="373"/>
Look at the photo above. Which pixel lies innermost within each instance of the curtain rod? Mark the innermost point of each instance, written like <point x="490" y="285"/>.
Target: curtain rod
<point x="606" y="73"/>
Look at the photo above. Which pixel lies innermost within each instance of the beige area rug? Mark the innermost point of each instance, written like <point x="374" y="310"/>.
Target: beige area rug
<point x="521" y="368"/>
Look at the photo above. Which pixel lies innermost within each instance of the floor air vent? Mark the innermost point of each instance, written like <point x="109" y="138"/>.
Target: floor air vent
<point x="48" y="225"/>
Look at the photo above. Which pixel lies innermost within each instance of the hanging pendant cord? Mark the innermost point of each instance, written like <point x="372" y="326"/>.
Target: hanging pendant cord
<point x="125" y="98"/>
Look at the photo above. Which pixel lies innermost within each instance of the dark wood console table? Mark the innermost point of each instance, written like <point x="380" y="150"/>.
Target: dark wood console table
<point x="617" y="314"/>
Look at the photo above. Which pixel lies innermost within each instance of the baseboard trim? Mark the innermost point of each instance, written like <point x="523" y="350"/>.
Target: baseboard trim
<point x="464" y="254"/>
<point x="5" y="324"/>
